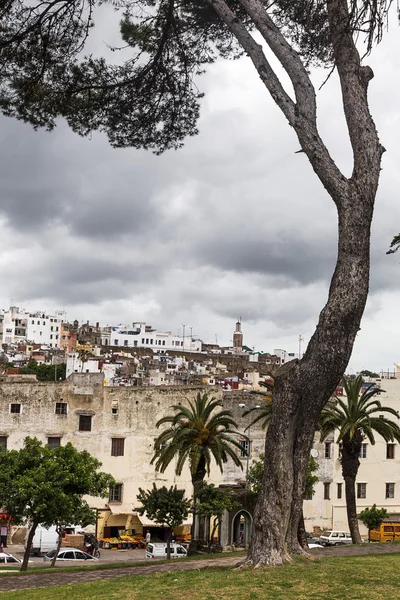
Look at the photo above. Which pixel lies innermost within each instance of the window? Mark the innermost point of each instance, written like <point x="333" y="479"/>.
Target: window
<point x="363" y="451"/>
<point x="51" y="328"/>
<point x="51" y="336"/>
<point x="126" y="342"/>
<point x="117" y="446"/>
<point x="85" y="423"/>
<point x="116" y="493"/>
<point x="114" y="410"/>
<point x="147" y="340"/>
<point x="33" y="322"/>
<point x="15" y="409"/>
<point x="68" y="555"/>
<point x="328" y="448"/>
<point x="327" y="490"/>
<point x="53" y="442"/>
<point x="339" y="490"/>
<point x="245" y="448"/>
<point x="389" y="490"/>
<point x="308" y="495"/>
<point x="142" y="340"/>
<point x="361" y="490"/>
<point x="3" y="442"/>
<point x="163" y="342"/>
<point x="390" y="450"/>
<point x="115" y="342"/>
<point x="151" y="342"/>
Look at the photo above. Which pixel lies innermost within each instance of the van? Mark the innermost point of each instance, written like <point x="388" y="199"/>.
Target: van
<point x="44" y="540"/>
<point x="159" y="550"/>
<point x="387" y="532"/>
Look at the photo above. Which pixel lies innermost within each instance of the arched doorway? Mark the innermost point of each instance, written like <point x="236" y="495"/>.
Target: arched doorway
<point x="241" y="528"/>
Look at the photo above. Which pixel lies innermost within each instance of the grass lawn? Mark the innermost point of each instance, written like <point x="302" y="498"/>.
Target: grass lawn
<point x="351" y="578"/>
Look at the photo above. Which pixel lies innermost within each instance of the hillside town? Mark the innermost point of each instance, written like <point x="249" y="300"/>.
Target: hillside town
<point x="110" y="385"/>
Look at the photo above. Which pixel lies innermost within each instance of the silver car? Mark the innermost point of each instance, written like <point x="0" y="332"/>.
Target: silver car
<point x="69" y="554"/>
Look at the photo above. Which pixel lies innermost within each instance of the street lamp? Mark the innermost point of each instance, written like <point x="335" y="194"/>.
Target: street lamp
<point x="249" y="408"/>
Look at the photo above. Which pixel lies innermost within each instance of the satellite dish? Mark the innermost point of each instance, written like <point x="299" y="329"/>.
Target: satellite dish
<point x="314" y="453"/>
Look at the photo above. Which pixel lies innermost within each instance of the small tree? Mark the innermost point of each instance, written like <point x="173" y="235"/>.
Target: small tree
<point x="213" y="502"/>
<point x="39" y="485"/>
<point x="373" y="518"/>
<point x="167" y="507"/>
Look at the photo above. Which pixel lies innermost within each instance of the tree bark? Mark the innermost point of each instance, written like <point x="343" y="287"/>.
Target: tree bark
<point x="350" y="465"/>
<point x="27" y="552"/>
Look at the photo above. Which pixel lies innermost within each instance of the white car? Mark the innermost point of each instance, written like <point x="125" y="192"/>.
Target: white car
<point x="7" y="559"/>
<point x="335" y="538"/>
<point x="312" y="546"/>
<point x="69" y="554"/>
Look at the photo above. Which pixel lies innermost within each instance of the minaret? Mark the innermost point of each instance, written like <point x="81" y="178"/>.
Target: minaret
<point x="238" y="335"/>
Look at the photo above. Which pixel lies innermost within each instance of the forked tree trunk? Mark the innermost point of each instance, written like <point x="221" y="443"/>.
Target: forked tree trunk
<point x="303" y="387"/>
<point x="350" y="465"/>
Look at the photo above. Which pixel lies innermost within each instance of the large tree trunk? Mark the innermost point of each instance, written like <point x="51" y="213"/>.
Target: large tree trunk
<point x="303" y="387"/>
<point x="350" y="464"/>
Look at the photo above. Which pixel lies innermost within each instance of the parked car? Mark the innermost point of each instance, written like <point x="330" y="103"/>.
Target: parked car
<point x="386" y="532"/>
<point x="314" y="546"/>
<point x="7" y="559"/>
<point x="335" y="538"/>
<point x="159" y="550"/>
<point x="69" y="554"/>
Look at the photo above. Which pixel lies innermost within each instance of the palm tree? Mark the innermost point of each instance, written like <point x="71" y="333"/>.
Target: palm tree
<point x="197" y="434"/>
<point x="84" y="355"/>
<point x="356" y="418"/>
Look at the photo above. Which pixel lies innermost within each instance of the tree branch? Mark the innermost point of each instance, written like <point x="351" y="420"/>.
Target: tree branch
<point x="258" y="58"/>
<point x="354" y="80"/>
<point x="305" y="123"/>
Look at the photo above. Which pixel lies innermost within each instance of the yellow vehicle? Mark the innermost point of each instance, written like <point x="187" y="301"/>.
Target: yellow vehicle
<point x="387" y="532"/>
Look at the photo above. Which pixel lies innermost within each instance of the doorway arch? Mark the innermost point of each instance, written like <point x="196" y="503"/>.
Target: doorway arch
<point x="241" y="528"/>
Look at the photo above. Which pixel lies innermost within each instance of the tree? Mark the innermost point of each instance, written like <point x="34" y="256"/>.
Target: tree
<point x="167" y="507"/>
<point x="370" y="374"/>
<point x="152" y="101"/>
<point x="357" y="417"/>
<point x="45" y="372"/>
<point x="373" y="518"/>
<point x="197" y="434"/>
<point x="213" y="502"/>
<point x="395" y="245"/>
<point x="39" y="485"/>
<point x="84" y="355"/>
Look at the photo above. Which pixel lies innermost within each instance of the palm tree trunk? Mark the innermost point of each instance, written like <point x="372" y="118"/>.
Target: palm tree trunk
<point x="197" y="532"/>
<point x="350" y="464"/>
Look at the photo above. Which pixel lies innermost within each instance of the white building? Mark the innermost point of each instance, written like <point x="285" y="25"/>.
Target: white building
<point x="140" y="335"/>
<point x="19" y="327"/>
<point x="378" y="478"/>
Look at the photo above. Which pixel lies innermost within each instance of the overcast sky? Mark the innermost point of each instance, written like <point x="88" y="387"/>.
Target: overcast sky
<point x="235" y="224"/>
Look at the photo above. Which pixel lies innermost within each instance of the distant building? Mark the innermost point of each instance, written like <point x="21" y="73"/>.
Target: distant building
<point x="19" y="327"/>
<point x="141" y="335"/>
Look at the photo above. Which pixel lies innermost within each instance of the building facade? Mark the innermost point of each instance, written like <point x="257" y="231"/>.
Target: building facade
<point x="140" y="335"/>
<point x="20" y="327"/>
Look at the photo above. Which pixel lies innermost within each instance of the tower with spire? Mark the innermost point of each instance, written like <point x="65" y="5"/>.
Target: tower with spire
<point x="238" y="335"/>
